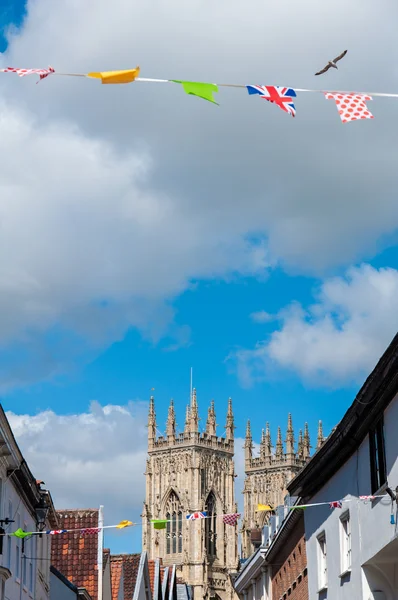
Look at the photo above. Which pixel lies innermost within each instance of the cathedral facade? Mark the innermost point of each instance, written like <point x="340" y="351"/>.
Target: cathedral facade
<point x="186" y="473"/>
<point x="190" y="472"/>
<point x="267" y="476"/>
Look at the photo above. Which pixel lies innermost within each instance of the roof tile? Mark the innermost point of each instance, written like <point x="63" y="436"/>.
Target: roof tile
<point x="129" y="569"/>
<point x="76" y="556"/>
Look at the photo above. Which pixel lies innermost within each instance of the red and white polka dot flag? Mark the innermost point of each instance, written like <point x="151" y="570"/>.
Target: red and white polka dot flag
<point x="351" y="107"/>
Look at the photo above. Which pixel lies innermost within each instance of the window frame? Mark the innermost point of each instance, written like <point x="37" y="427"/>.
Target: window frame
<point x="377" y="452"/>
<point x="18" y="573"/>
<point x="211" y="526"/>
<point x="322" y="561"/>
<point x="174" y="526"/>
<point x="345" y="543"/>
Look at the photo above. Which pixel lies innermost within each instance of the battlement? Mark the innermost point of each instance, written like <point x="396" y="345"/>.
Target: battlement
<point x="191" y="436"/>
<point x="204" y="440"/>
<point x="280" y="456"/>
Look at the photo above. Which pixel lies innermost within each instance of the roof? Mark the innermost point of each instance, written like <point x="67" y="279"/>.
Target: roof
<point x="124" y="567"/>
<point x="75" y="555"/>
<point x="62" y="578"/>
<point x="107" y="554"/>
<point x="116" y="575"/>
<point x="378" y="391"/>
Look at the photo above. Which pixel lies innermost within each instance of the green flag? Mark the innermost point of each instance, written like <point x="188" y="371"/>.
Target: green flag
<point x="20" y="533"/>
<point x="159" y="523"/>
<point x="203" y="90"/>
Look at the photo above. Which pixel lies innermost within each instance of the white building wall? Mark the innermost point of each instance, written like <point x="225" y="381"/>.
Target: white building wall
<point x="60" y="591"/>
<point x="23" y="569"/>
<point x="371" y="529"/>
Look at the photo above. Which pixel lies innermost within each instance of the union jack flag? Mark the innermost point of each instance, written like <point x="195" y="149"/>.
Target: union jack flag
<point x="336" y="504"/>
<point x="231" y="519"/>
<point x="23" y="72"/>
<point x="366" y="497"/>
<point x="197" y="515"/>
<point x="281" y="96"/>
<point x="56" y="531"/>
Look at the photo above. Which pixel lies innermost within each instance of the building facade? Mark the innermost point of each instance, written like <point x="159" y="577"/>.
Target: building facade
<point x="188" y="472"/>
<point x="353" y="550"/>
<point x="278" y="569"/>
<point x="268" y="475"/>
<point x="24" y="564"/>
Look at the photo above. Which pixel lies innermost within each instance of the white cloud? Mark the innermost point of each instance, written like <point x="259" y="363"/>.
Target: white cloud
<point x="337" y="340"/>
<point x="90" y="458"/>
<point x="261" y="316"/>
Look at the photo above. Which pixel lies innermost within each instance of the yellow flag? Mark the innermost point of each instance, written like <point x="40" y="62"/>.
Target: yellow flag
<point x="124" y="524"/>
<point x="264" y="507"/>
<point x="116" y="76"/>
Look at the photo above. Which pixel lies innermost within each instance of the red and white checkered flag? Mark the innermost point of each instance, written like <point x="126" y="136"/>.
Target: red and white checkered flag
<point x="231" y="519"/>
<point x="23" y="72"/>
<point x="90" y="531"/>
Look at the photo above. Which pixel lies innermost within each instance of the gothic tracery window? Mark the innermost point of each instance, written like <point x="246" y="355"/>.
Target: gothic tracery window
<point x="211" y="526"/>
<point x="174" y="524"/>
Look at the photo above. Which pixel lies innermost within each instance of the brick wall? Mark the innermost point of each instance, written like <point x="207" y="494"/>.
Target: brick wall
<point x="289" y="573"/>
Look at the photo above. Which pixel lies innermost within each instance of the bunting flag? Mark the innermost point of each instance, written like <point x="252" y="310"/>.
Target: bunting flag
<point x="367" y="497"/>
<point x="231" y="519"/>
<point x="202" y="90"/>
<point x="351" y="107"/>
<point x="264" y="507"/>
<point x="336" y="504"/>
<point x="281" y="96"/>
<point x="87" y="531"/>
<point x="56" y="531"/>
<point x="20" y="533"/>
<point x="23" y="72"/>
<point x="124" y="524"/>
<point x="197" y="515"/>
<point x="159" y="523"/>
<point x="116" y="76"/>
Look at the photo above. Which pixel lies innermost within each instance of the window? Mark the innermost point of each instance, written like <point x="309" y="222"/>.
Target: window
<point x="378" y="471"/>
<point x="345" y="542"/>
<point x="9" y="538"/>
<point x="31" y="577"/>
<point x="18" y="550"/>
<point x="211" y="526"/>
<point x="203" y="481"/>
<point x="322" y="563"/>
<point x="174" y="525"/>
<point x="24" y="565"/>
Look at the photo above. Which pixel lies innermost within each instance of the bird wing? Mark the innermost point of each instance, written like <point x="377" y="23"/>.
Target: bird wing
<point x="342" y="55"/>
<point x="323" y="70"/>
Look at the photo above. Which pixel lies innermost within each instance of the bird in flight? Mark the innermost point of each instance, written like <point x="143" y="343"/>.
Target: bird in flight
<point x="332" y="63"/>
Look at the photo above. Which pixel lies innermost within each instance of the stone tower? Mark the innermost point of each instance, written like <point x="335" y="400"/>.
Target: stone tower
<point x="268" y="474"/>
<point x="188" y="472"/>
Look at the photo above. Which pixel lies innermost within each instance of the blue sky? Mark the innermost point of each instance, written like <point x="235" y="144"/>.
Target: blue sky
<point x="183" y="238"/>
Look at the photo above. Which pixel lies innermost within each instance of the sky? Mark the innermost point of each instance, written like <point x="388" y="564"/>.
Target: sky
<point x="144" y="232"/>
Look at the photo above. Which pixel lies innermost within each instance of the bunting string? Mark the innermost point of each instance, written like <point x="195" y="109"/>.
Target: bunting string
<point x="351" y="105"/>
<point x="228" y="518"/>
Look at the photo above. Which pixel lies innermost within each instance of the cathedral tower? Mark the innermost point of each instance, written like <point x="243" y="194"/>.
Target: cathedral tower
<point x="268" y="474"/>
<point x="188" y="472"/>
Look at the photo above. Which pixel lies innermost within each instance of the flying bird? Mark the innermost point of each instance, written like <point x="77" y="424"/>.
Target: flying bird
<point x="332" y="63"/>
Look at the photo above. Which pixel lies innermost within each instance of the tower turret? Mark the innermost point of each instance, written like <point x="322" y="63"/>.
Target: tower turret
<point x="194" y="415"/>
<point x="306" y="443"/>
<point x="248" y="445"/>
<point x="211" y="425"/>
<point x="300" y="445"/>
<point x="151" y="423"/>
<point x="289" y="438"/>
<point x="320" y="438"/>
<point x="171" y="423"/>
<point x="230" y="426"/>
<point x="279" y="445"/>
